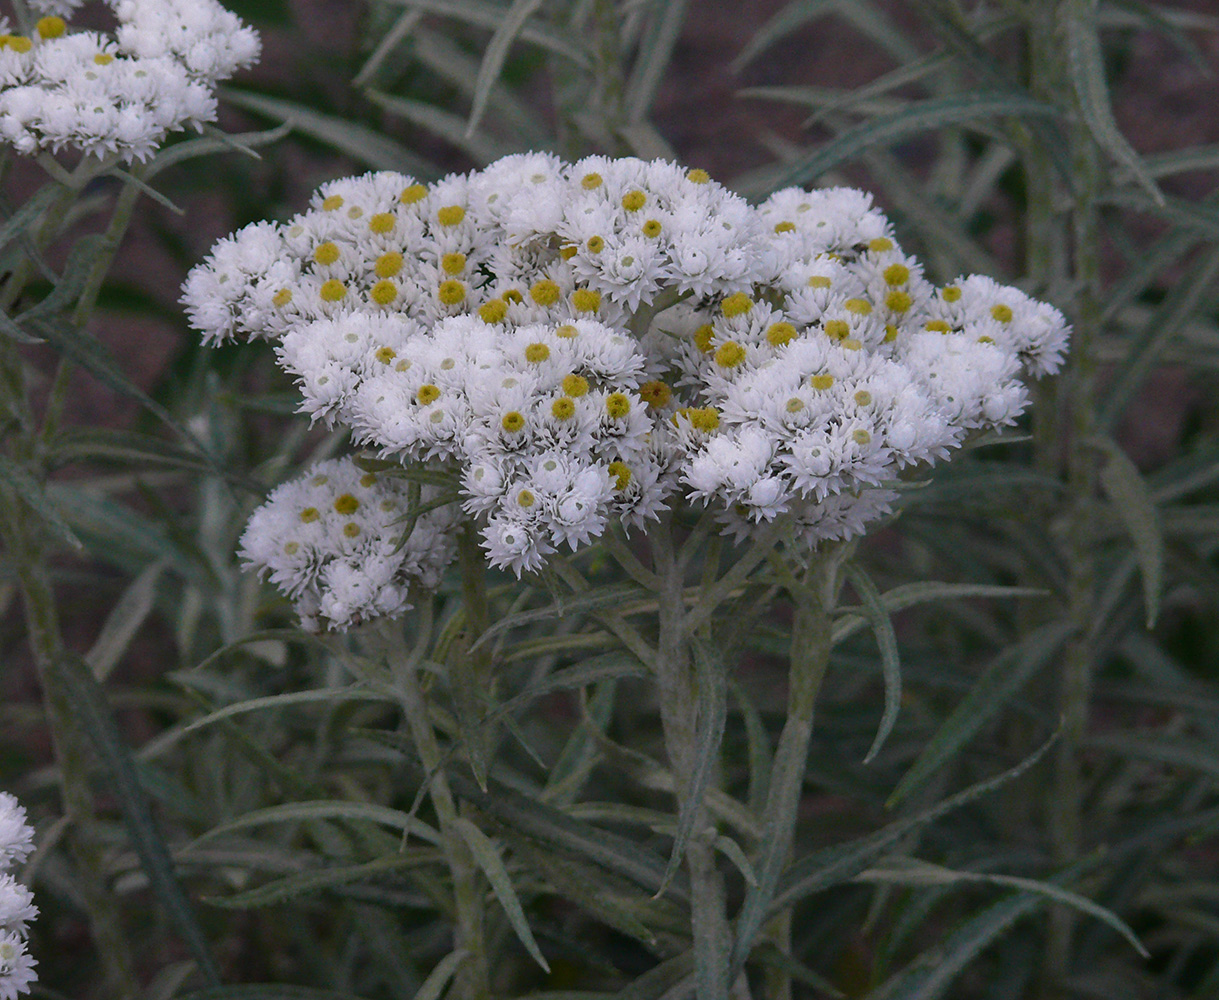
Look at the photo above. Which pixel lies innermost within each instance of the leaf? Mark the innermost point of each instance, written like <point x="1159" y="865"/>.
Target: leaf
<point x="104" y="444"/>
<point x="655" y="52"/>
<point x="266" y="991"/>
<point x="606" y="597"/>
<point x="323" y="878"/>
<point x="656" y="983"/>
<point x="450" y="127"/>
<point x="510" y="25"/>
<point x="907" y="595"/>
<point x="35" y="499"/>
<point x="1086" y="68"/>
<point x="834" y="865"/>
<point x="789" y="19"/>
<point x="406" y="23"/>
<point x="912" y="871"/>
<point x="245" y="142"/>
<point x="712" y="679"/>
<point x="885" y="130"/>
<point x="488" y="15"/>
<point x="439" y="977"/>
<point x="1132" y="502"/>
<point x="608" y="666"/>
<point x="493" y="867"/>
<point x="326" y="809"/>
<point x="890" y="663"/>
<point x="1007" y="674"/>
<point x="331" y="695"/>
<point x="31" y="210"/>
<point x="95" y="718"/>
<point x="358" y="141"/>
<point x="124" y="621"/>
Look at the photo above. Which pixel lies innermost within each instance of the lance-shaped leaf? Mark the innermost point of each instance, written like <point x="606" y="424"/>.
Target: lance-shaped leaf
<point x="890" y="664"/>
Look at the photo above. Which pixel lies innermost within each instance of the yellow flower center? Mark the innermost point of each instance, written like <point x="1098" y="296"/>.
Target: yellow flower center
<point x="890" y="333"/>
<point x="633" y="201"/>
<point x="525" y="499"/>
<point x="384" y="292"/>
<point x="388" y="264"/>
<point x="729" y="355"/>
<point x="651" y="228"/>
<point x="19" y="43"/>
<point x="512" y="295"/>
<point x="837" y="329"/>
<point x="282" y="298"/>
<point x="1001" y="312"/>
<point x="896" y="274"/>
<point x="951" y="294"/>
<point x="736" y="305"/>
<point x="428" y="394"/>
<point x="818" y="281"/>
<point x="568" y="251"/>
<point x="861" y="307"/>
<point x="566" y="331"/>
<point x="347" y="504"/>
<point x="656" y="394"/>
<point x="794" y="405"/>
<point x="535" y="354"/>
<point x="863" y="397"/>
<point x="595" y="244"/>
<point x="698" y="176"/>
<point x="412" y="194"/>
<point x="103" y="59"/>
<point x="351" y="529"/>
<point x="702" y="337"/>
<point x="785" y="227"/>
<point x="453" y="263"/>
<point x="451" y="292"/>
<point x="51" y="27"/>
<point x="590" y="181"/>
<point x="326" y="253"/>
<point x="898" y="301"/>
<point x="861" y="436"/>
<point x="310" y="514"/>
<point x="851" y="344"/>
<point x="334" y="202"/>
<point x="622" y="475"/>
<point x="493" y="311"/>
<point x="381" y="223"/>
<point x="332" y="291"/>
<point x="780" y="334"/>
<point x="512" y="422"/>
<point x="544" y="292"/>
<point x="450" y="215"/>
<point x="575" y="385"/>
<point x="586" y="300"/>
<point x="385" y="355"/>
<point x="821" y="382"/>
<point x="617" y="405"/>
<point x="936" y="326"/>
<point x="563" y="408"/>
<point x="881" y="244"/>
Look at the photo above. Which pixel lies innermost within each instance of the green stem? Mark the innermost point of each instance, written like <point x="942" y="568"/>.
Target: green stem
<point x="473" y="979"/>
<point x="679" y="720"/>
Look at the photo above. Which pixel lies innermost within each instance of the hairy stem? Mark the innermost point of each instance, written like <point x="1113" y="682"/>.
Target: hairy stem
<point x="473" y="979"/>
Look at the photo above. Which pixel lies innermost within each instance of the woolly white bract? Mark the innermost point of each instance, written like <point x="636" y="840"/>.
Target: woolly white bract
<point x="17" y="907"/>
<point x="577" y="344"/>
<point x="122" y="95"/>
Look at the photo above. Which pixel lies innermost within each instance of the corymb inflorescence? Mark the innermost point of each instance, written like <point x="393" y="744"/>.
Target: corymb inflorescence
<point x="17" y="907"/>
<point x="117" y="95"/>
<point x="575" y="345"/>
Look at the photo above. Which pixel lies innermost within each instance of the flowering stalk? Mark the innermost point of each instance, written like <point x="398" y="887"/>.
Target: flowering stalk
<point x="472" y="981"/>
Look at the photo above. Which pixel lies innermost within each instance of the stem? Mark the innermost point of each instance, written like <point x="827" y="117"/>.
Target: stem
<point x="679" y="719"/>
<point x="473" y="979"/>
<point x="1066" y="806"/>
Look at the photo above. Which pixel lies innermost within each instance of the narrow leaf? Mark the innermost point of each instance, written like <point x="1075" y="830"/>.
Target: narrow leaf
<point x="326" y="809"/>
<point x="878" y="615"/>
<point x="98" y="722"/>
<point x="439" y="977"/>
<point x="33" y="496"/>
<point x="506" y="31"/>
<point x="493" y="867"/>
<point x="654" y="55"/>
<point x="323" y="878"/>
<point x="124" y="621"/>
<point x="1132" y="502"/>
<point x="607" y="597"/>
<point x="1006" y="675"/>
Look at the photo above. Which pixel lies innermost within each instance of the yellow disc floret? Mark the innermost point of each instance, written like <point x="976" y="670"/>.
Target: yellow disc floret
<point x="898" y="300"/>
<point x="851" y="344"/>
<point x="936" y="326"/>
<point x="381" y="223"/>
<point x="837" y="329"/>
<point x="326" y="253"/>
<point x="453" y="263"/>
<point x="617" y="405"/>
<point x="388" y="264"/>
<point x="780" y="334"/>
<point x="656" y="394"/>
<point x="332" y="203"/>
<point x="702" y="337"/>
<point x="563" y="408"/>
<point x="861" y="436"/>
<point x="818" y="281"/>
<point x="351" y="529"/>
<point x="896" y="274"/>
<point x="451" y="292"/>
<point x="590" y="181"/>
<point x="736" y="305"/>
<point x="368" y="479"/>
<point x="544" y="292"/>
<point x="794" y="405"/>
<point x="595" y="244"/>
<point x="332" y="291"/>
<point x="310" y="514"/>
<point x="729" y="355"/>
<point x="890" y="333"/>
<point x="1001" y="312"/>
<point x="282" y="298"/>
<point x="586" y="300"/>
<point x="512" y="295"/>
<point x="566" y="331"/>
<point x="346" y="504"/>
<point x="575" y="385"/>
<point x="622" y="475"/>
<point x="881" y="244"/>
<point x="863" y="397"/>
<point x="821" y="382"/>
<point x="493" y="311"/>
<point x="525" y="499"/>
<point x="428" y="394"/>
<point x="701" y="419"/>
<point x="51" y="27"/>
<point x="568" y="251"/>
<point x="861" y="307"/>
<point x="450" y="215"/>
<point x="385" y="354"/>
<point x="698" y="176"/>
<point x="633" y="201"/>
<point x="412" y="194"/>
<point x="19" y="43"/>
<point x="103" y="59"/>
<point x="535" y="354"/>
<point x="512" y="422"/>
<point x="383" y="292"/>
<point x="785" y="227"/>
<point x="951" y="294"/>
<point x="651" y="228"/>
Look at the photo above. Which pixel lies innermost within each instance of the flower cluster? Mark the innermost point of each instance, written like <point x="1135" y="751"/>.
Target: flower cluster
<point x="347" y="544"/>
<point x="17" y="907"/>
<point x="592" y="343"/>
<point x="117" y="96"/>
